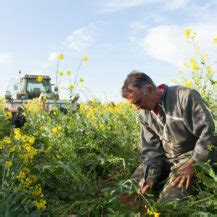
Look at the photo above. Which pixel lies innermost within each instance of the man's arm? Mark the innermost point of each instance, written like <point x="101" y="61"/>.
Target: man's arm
<point x="152" y="155"/>
<point x="199" y="121"/>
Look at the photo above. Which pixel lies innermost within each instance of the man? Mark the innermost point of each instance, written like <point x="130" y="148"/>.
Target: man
<point x="177" y="131"/>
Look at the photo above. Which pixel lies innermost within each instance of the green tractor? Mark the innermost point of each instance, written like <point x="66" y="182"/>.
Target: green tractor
<point x="30" y="87"/>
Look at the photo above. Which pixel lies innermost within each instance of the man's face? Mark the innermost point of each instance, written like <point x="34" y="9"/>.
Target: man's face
<point x="140" y="100"/>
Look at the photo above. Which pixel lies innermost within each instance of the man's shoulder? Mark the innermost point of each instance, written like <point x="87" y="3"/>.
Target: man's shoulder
<point x="180" y="91"/>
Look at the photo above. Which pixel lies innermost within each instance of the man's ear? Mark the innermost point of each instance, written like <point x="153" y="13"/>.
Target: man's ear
<point x="149" y="88"/>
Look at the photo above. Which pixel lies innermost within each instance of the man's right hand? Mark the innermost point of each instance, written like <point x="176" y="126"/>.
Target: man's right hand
<point x="145" y="186"/>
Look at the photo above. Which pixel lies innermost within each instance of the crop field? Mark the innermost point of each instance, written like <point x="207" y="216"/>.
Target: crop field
<point x="81" y="163"/>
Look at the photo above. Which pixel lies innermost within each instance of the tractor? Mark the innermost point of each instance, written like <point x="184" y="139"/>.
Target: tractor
<point x="30" y="87"/>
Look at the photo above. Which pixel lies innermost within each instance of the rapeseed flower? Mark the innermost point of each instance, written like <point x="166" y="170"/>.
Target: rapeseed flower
<point x="156" y="214"/>
<point x="40" y="78"/>
<point x="187" y="33"/>
<point x="8" y="115"/>
<point x="71" y="86"/>
<point x="8" y="164"/>
<point x="54" y="130"/>
<point x="215" y="40"/>
<point x="85" y="58"/>
<point x="194" y="65"/>
<point x="68" y="72"/>
<point x="40" y="204"/>
<point x="7" y="140"/>
<point x="81" y="80"/>
<point x="60" y="56"/>
<point x="31" y="140"/>
<point x="188" y="83"/>
<point x="37" y="191"/>
<point x="60" y="73"/>
<point x="11" y="149"/>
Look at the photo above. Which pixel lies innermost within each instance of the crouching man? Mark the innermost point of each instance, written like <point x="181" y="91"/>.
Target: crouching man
<point x="177" y="130"/>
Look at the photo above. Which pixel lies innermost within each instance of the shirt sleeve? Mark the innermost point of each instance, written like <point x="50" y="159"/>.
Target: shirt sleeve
<point x="152" y="152"/>
<point x="200" y="122"/>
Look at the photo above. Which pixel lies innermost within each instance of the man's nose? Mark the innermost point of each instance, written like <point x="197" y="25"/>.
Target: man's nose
<point x="137" y="106"/>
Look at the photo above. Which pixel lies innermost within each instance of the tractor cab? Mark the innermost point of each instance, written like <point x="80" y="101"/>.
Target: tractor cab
<point x="31" y="87"/>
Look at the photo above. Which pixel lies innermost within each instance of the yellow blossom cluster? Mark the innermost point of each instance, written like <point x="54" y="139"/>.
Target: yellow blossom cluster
<point x="40" y="204"/>
<point x="85" y="58"/>
<point x="60" y="56"/>
<point x="56" y="130"/>
<point x="40" y="78"/>
<point x="60" y="73"/>
<point x="8" y="164"/>
<point x="152" y="212"/>
<point x="192" y="63"/>
<point x="34" y="106"/>
<point x="8" y="115"/>
<point x="215" y="40"/>
<point x="27" y="183"/>
<point x="188" y="83"/>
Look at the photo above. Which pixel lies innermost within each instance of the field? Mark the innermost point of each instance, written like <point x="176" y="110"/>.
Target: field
<point x="81" y="163"/>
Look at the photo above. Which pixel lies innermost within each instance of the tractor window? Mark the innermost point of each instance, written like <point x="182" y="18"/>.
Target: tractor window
<point x="33" y="86"/>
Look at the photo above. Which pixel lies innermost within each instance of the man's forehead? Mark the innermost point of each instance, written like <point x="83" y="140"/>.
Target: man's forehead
<point x="133" y="94"/>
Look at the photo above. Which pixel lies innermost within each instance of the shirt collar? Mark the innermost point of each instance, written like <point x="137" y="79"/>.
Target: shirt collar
<point x="163" y="89"/>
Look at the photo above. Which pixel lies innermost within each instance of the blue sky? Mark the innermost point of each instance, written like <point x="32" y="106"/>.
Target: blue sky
<point x="117" y="35"/>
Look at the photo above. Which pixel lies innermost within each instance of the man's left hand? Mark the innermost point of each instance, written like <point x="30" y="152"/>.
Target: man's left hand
<point x="183" y="175"/>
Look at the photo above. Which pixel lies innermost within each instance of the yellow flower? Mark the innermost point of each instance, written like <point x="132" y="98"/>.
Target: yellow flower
<point x="187" y="33"/>
<point x="40" y="204"/>
<point x="194" y="65"/>
<point x="60" y="56"/>
<point x="8" y="164"/>
<point x="204" y="58"/>
<point x="8" y="115"/>
<point x="37" y="191"/>
<point x="11" y="149"/>
<point x="188" y="83"/>
<point x="31" y="140"/>
<point x="7" y="140"/>
<point x="215" y="40"/>
<point x="68" y="72"/>
<point x="54" y="130"/>
<point x="21" y="176"/>
<point x="42" y="128"/>
<point x="71" y="86"/>
<point x="40" y="78"/>
<point x="156" y="214"/>
<point x="85" y="58"/>
<point x="81" y="80"/>
<point x="60" y="73"/>
<point x="209" y="71"/>
<point x="210" y="147"/>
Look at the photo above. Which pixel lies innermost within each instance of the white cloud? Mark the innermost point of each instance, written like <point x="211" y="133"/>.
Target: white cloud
<point x="176" y="4"/>
<point x="53" y="56"/>
<point x="81" y="38"/>
<point x="117" y="5"/>
<point x="6" y="58"/>
<point x="167" y="43"/>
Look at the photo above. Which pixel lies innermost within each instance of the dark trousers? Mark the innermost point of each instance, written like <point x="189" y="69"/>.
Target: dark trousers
<point x="163" y="187"/>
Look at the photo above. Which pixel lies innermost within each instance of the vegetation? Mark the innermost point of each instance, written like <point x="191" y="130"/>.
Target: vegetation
<point x="81" y="163"/>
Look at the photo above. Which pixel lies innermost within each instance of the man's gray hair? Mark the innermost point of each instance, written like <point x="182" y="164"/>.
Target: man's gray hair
<point x="136" y="80"/>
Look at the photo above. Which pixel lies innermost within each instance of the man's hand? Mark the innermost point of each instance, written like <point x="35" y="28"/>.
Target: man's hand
<point x="184" y="174"/>
<point x="145" y="186"/>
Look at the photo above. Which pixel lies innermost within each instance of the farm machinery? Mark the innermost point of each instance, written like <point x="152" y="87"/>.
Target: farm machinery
<point x="30" y="87"/>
